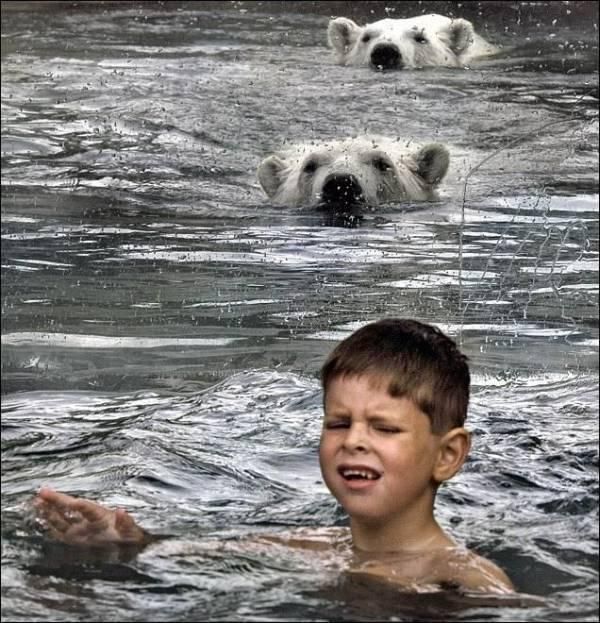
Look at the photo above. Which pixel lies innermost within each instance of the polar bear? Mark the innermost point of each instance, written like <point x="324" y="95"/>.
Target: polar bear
<point x="354" y="172"/>
<point x="423" y="41"/>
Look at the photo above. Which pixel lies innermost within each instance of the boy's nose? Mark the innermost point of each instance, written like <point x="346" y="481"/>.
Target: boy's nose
<point x="356" y="439"/>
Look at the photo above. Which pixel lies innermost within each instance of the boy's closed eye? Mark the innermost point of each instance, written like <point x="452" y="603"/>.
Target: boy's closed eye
<point x="341" y="423"/>
<point x="337" y="423"/>
<point x="383" y="428"/>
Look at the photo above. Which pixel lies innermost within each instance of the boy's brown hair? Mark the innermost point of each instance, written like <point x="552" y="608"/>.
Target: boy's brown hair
<point x="419" y="362"/>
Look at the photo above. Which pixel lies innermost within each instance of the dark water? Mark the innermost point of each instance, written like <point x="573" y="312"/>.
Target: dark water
<point x="163" y="325"/>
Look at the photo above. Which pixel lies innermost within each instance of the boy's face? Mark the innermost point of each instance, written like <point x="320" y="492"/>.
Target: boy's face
<point x="377" y="453"/>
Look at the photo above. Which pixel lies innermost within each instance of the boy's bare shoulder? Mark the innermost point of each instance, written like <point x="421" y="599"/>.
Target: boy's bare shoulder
<point x="473" y="572"/>
<point x="451" y="567"/>
<point x="446" y="567"/>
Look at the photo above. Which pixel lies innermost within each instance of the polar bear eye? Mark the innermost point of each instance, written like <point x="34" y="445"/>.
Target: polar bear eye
<point x="311" y="166"/>
<point x="381" y="164"/>
<point x="366" y="38"/>
<point x="420" y="38"/>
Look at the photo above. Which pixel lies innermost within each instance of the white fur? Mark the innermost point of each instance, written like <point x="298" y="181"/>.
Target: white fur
<point x="411" y="172"/>
<point x="423" y="41"/>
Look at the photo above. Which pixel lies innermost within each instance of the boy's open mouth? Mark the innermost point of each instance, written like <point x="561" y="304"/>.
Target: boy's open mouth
<point x="358" y="473"/>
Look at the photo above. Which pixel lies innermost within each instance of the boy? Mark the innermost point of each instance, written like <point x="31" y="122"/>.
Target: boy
<point x="395" y="401"/>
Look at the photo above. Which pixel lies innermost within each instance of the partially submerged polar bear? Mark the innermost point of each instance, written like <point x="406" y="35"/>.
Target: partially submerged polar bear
<point x="423" y="41"/>
<point x="354" y="172"/>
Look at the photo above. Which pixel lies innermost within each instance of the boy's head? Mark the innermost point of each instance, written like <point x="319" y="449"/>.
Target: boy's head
<point x="395" y="399"/>
<point x="414" y="360"/>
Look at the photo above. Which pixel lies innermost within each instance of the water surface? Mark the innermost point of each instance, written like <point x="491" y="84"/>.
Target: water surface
<point x="163" y="325"/>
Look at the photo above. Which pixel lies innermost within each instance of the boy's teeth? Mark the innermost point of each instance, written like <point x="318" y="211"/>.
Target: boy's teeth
<point x="359" y="473"/>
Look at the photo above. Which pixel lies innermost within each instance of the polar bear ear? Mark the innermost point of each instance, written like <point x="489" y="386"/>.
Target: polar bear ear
<point x="270" y="174"/>
<point x="342" y="34"/>
<point x="461" y="35"/>
<point x="432" y="162"/>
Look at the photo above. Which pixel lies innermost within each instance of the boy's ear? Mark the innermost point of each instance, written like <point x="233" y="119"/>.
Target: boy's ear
<point x="453" y="451"/>
<point x="270" y="174"/>
<point x="342" y="33"/>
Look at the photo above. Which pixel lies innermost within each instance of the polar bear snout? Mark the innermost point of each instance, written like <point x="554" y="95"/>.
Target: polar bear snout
<point x="345" y="174"/>
<point x="342" y="189"/>
<point x="386" y="56"/>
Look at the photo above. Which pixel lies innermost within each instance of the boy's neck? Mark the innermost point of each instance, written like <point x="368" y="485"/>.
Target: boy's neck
<point x="399" y="535"/>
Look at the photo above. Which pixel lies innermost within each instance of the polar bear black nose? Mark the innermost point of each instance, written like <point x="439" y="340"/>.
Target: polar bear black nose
<point x="342" y="189"/>
<point x="386" y="56"/>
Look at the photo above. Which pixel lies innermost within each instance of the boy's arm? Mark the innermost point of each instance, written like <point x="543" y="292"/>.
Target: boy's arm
<point x="77" y="521"/>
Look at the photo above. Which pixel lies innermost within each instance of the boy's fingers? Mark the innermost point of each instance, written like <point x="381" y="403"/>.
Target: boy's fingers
<point x="41" y="507"/>
<point x="77" y="520"/>
<point x="90" y="510"/>
<point x="122" y="517"/>
<point x="55" y="521"/>
<point x="55" y="497"/>
<point x="123" y="521"/>
<point x="126" y="526"/>
<point x="57" y="535"/>
<point x="68" y="504"/>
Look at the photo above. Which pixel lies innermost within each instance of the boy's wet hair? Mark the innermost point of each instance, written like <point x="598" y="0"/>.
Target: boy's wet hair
<point x="417" y="360"/>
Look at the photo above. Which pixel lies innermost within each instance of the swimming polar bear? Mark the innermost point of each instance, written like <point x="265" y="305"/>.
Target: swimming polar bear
<point x="413" y="43"/>
<point x="354" y="172"/>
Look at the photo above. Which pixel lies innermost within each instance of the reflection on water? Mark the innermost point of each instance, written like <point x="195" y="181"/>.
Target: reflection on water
<point x="162" y="324"/>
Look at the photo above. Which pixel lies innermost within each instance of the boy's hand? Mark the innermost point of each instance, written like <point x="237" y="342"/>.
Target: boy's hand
<point x="77" y="521"/>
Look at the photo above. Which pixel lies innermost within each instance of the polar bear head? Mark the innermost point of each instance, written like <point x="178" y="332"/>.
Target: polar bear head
<point x="423" y="41"/>
<point x="354" y="172"/>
